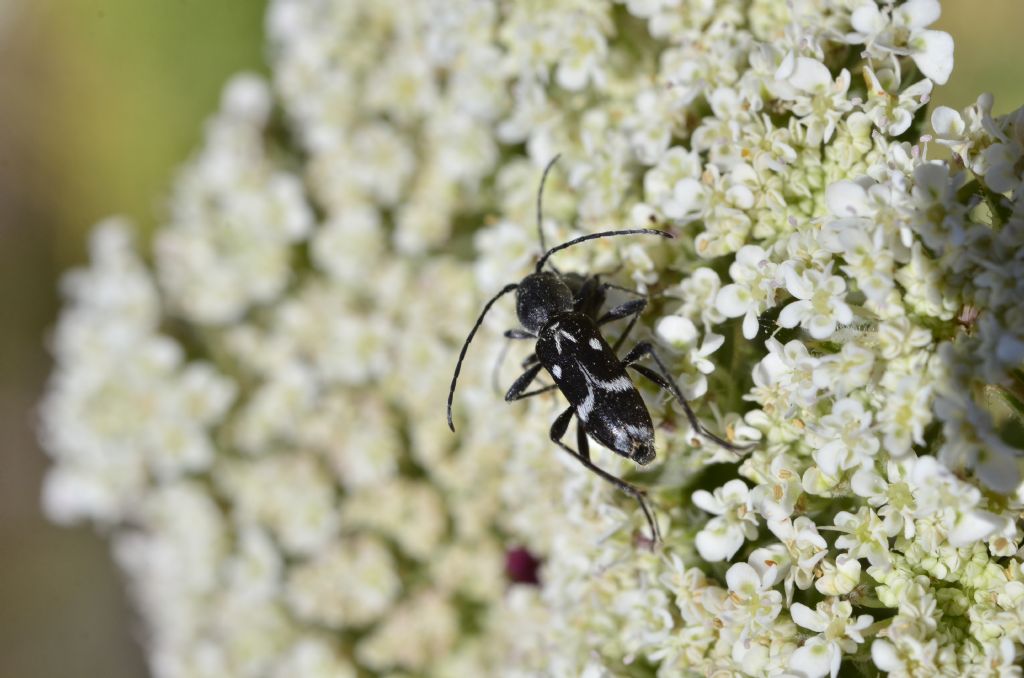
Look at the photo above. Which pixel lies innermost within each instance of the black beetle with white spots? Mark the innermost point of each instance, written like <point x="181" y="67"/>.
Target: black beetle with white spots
<point x="561" y="312"/>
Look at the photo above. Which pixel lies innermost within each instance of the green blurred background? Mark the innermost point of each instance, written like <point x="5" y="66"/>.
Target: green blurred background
<point x="99" y="101"/>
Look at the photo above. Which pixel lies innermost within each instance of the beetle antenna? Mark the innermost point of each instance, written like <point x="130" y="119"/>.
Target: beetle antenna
<point x="603" y="234"/>
<point x="540" y="203"/>
<point x="458" y="366"/>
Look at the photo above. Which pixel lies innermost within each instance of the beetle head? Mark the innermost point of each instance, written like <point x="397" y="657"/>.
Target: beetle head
<point x="540" y="297"/>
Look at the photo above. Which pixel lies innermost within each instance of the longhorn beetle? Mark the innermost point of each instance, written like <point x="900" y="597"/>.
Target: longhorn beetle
<point x="560" y="312"/>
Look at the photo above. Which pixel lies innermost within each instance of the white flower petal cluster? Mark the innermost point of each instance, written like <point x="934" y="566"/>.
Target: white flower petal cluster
<point x="127" y="405"/>
<point x="234" y="216"/>
<point x="255" y="415"/>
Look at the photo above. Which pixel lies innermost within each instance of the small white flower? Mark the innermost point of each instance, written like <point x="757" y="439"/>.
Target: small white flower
<point x="938" y="214"/>
<point x="583" y="56"/>
<point x="893" y="113"/>
<point x="675" y="186"/>
<point x="681" y="334"/>
<point x="943" y="497"/>
<point x="818" y="100"/>
<point x="786" y="375"/>
<point x="865" y="536"/>
<point x="869" y="263"/>
<point x="752" y="603"/>
<point x="805" y="547"/>
<point x="1000" y="162"/>
<point x="925" y="287"/>
<point x="820" y="305"/>
<point x="233" y="221"/>
<point x="848" y="439"/>
<point x="735" y="521"/>
<point x="647" y="618"/>
<point x="892" y="496"/>
<point x="902" y="30"/>
<point x="838" y="633"/>
<point x="845" y="371"/>
<point x="752" y="290"/>
<point x="291" y="495"/>
<point x="345" y="246"/>
<point x="901" y="337"/>
<point x="854" y="204"/>
<point x="775" y="496"/>
<point x="651" y="125"/>
<point x="1001" y="659"/>
<point x="839" y="578"/>
<point x="905" y="656"/>
<point x="698" y="292"/>
<point x="904" y="413"/>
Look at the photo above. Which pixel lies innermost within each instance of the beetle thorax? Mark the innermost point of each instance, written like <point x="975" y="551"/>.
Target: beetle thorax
<point x="540" y="297"/>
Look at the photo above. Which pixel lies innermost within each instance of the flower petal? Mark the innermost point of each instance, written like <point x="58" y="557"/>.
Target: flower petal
<point x="847" y="198"/>
<point x="883" y="653"/>
<point x="718" y="541"/>
<point x="793" y="314"/>
<point x="867" y="19"/>
<point x="810" y="75"/>
<point x="814" y="659"/>
<point x="706" y="501"/>
<point x="677" y="331"/>
<point x="973" y="526"/>
<point x="733" y="301"/>
<point x="947" y="123"/>
<point x="933" y="54"/>
<point x="741" y="577"/>
<point x="807" y="618"/>
<point x="750" y="325"/>
<point x="919" y="13"/>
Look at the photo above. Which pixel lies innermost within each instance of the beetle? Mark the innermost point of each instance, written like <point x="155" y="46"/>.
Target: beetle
<point x="560" y="312"/>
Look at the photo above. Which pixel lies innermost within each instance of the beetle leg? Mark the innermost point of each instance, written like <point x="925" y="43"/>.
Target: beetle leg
<point x="558" y="429"/>
<point x="530" y="360"/>
<point x="516" y="391"/>
<point x="537" y="391"/>
<point x="613" y="286"/>
<point x="582" y="444"/>
<point x="589" y="293"/>
<point x="666" y="382"/>
<point x="630" y="308"/>
<point x="515" y="333"/>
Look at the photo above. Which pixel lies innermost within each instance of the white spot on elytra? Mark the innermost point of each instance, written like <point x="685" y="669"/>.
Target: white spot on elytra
<point x="557" y="371"/>
<point x="585" y="408"/>
<point x="595" y="344"/>
<point x="620" y="383"/>
<point x="567" y="336"/>
<point x="617" y="384"/>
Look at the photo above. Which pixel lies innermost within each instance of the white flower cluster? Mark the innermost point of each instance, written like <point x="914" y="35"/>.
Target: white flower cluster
<point x="259" y="422"/>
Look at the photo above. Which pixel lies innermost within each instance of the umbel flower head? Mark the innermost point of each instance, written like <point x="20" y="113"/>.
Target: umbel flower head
<point x="254" y="413"/>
